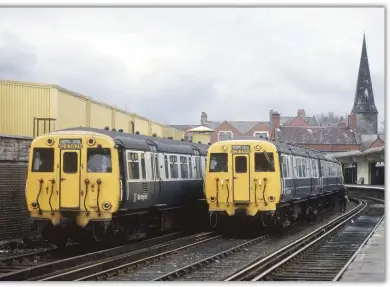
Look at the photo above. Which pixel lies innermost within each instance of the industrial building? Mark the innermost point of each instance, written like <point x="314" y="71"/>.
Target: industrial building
<point x="32" y="109"/>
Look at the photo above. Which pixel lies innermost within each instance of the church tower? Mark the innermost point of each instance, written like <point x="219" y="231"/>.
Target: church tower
<point x="364" y="107"/>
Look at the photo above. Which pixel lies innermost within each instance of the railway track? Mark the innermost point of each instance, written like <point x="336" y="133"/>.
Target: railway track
<point x="321" y="255"/>
<point x="38" y="265"/>
<point x="220" y="265"/>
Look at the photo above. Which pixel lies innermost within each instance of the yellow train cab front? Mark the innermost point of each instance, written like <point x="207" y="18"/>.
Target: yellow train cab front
<point x="243" y="175"/>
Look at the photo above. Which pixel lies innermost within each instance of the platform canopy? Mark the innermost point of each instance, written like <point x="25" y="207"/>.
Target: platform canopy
<point x="375" y="154"/>
<point x="201" y="129"/>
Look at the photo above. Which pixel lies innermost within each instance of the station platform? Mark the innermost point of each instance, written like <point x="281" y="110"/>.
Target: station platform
<point x="369" y="263"/>
<point x="366" y="186"/>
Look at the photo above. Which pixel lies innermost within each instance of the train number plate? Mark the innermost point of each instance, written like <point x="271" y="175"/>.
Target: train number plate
<point x="241" y="149"/>
<point x="70" y="144"/>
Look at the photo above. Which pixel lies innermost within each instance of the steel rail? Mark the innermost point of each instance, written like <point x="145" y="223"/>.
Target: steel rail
<point x="132" y="259"/>
<point x="21" y="269"/>
<point x="268" y="259"/>
<point x="326" y="270"/>
<point x="208" y="260"/>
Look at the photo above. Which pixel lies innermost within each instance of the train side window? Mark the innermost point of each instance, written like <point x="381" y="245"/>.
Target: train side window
<point x="190" y="163"/>
<point x="197" y="166"/>
<point x="166" y="166"/>
<point x="133" y="165"/>
<point x="143" y="165"/>
<point x="264" y="161"/>
<point x="173" y="164"/>
<point x="291" y="166"/>
<point x="241" y="164"/>
<point x="43" y="160"/>
<point x="157" y="166"/>
<point x="302" y="167"/>
<point x="183" y="167"/>
<point x="70" y="164"/>
<point x="218" y="162"/>
<point x="284" y="166"/>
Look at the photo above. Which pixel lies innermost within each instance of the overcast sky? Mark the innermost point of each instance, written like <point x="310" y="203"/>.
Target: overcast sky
<point x="170" y="64"/>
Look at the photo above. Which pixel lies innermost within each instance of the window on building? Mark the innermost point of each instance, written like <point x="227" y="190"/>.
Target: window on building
<point x="183" y="167"/>
<point x="43" y="160"/>
<point x="133" y="165"/>
<point x="261" y="135"/>
<point x="99" y="160"/>
<point x="264" y="162"/>
<point x="224" y="136"/>
<point x="173" y="164"/>
<point x="218" y="162"/>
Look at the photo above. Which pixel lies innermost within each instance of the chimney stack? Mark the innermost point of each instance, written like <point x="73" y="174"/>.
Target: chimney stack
<point x="275" y="123"/>
<point x="301" y="113"/>
<point x="352" y="121"/>
<point x="203" y="119"/>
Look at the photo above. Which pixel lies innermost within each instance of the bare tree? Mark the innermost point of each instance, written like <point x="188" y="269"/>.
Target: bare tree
<point x="382" y="128"/>
<point x="329" y="119"/>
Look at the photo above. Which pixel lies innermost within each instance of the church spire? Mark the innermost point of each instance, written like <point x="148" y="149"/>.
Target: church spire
<point x="364" y="98"/>
<point x="364" y="107"/>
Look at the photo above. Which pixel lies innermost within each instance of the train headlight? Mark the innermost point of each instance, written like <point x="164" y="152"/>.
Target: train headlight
<point x="271" y="198"/>
<point x="91" y="141"/>
<point x="50" y="141"/>
<point x="257" y="147"/>
<point x="34" y="204"/>
<point x="212" y="198"/>
<point x="224" y="148"/>
<point x="106" y="205"/>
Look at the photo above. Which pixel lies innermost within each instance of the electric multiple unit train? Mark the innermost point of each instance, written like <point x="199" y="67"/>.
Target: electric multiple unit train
<point x="273" y="182"/>
<point x="86" y="183"/>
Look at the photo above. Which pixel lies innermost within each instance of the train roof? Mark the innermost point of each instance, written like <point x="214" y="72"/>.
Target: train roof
<point x="142" y="142"/>
<point x="289" y="148"/>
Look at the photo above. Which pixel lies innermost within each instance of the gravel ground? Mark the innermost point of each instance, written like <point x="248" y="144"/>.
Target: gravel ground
<point x="17" y="247"/>
<point x="180" y="259"/>
<point x="222" y="268"/>
<point x="225" y="267"/>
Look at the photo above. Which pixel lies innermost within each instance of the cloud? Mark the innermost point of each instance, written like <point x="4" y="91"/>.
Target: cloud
<point x="171" y="64"/>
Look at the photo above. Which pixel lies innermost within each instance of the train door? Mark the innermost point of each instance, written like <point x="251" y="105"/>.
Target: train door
<point x="156" y="180"/>
<point x="70" y="179"/>
<point x="241" y="180"/>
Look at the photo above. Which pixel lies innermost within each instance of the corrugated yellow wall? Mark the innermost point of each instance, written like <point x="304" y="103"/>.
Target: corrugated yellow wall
<point x="157" y="129"/>
<point x="19" y="104"/>
<point x="167" y="132"/>
<point x="100" y="116"/>
<point x="141" y="125"/>
<point x="72" y="111"/>
<point x="122" y="121"/>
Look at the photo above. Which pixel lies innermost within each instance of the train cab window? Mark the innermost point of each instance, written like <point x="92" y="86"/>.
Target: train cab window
<point x="218" y="162"/>
<point x="99" y="160"/>
<point x="183" y="167"/>
<point x="43" y="160"/>
<point x="133" y="165"/>
<point x="143" y="172"/>
<point x="166" y="166"/>
<point x="264" y="162"/>
<point x="173" y="166"/>
<point x="70" y="162"/>
<point x="240" y="164"/>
